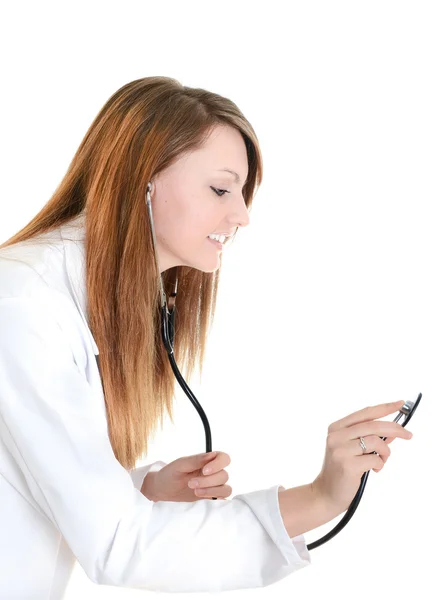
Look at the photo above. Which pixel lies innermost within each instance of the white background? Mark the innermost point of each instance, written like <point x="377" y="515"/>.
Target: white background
<point x="331" y="299"/>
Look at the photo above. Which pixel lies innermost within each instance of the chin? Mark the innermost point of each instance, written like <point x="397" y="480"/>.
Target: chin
<point x="204" y="262"/>
<point x="205" y="269"/>
<point x="204" y="266"/>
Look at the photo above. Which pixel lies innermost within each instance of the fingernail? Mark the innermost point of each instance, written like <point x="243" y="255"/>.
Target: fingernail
<point x="193" y="483"/>
<point x="207" y="470"/>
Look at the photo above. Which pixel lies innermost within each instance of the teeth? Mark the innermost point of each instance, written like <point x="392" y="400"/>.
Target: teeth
<point x="218" y="238"/>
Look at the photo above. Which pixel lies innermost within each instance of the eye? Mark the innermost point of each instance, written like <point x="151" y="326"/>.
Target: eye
<point x="216" y="190"/>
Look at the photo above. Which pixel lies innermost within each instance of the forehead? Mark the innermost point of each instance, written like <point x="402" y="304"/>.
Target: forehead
<point x="224" y="151"/>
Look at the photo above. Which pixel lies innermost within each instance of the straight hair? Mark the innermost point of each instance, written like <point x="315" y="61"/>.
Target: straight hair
<point x="142" y="129"/>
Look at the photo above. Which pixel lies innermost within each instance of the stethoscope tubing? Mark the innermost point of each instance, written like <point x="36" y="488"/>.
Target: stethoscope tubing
<point x="355" y="502"/>
<point x="168" y="334"/>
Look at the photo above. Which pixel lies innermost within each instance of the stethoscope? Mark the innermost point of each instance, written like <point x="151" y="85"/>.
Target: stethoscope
<point x="168" y="334"/>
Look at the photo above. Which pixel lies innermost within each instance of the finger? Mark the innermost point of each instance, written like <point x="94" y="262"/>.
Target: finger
<point x="209" y="481"/>
<point x="367" y="414"/>
<point x="221" y="461"/>
<point x="194" y="463"/>
<point x="373" y="443"/>
<point x="380" y="428"/>
<point x="214" y="492"/>
<point x="390" y="439"/>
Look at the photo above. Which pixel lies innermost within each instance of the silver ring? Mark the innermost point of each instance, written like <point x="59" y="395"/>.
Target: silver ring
<point x="362" y="445"/>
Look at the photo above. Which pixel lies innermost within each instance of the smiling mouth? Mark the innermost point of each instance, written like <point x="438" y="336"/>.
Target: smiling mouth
<point x="216" y="243"/>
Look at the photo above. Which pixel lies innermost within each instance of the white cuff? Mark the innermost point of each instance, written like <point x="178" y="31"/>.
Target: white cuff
<point x="138" y="474"/>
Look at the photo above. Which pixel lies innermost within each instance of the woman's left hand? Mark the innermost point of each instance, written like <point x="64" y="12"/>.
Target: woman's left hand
<point x="171" y="482"/>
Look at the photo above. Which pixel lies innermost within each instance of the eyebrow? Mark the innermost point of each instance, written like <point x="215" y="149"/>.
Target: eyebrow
<point x="232" y="173"/>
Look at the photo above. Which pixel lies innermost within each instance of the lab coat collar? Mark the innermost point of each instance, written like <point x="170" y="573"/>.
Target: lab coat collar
<point x="73" y="237"/>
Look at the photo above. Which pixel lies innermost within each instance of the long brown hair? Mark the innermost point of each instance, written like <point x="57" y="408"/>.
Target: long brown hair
<point x="143" y="127"/>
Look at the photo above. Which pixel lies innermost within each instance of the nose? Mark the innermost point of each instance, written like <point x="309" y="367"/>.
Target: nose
<point x="240" y="216"/>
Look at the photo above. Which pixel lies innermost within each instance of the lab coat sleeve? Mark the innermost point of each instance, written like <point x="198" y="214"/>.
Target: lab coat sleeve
<point x="54" y="427"/>
<point x="139" y="473"/>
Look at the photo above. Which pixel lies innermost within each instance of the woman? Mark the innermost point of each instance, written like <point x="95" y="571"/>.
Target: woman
<point x="81" y="281"/>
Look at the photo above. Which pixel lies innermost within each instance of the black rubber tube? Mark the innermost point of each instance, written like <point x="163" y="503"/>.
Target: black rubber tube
<point x="168" y="333"/>
<point x="355" y="502"/>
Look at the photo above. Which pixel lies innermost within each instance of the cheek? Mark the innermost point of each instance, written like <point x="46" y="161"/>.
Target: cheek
<point x="183" y="222"/>
<point x="168" y="215"/>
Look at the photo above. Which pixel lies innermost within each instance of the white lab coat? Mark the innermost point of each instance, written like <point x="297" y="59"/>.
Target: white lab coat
<point x="63" y="494"/>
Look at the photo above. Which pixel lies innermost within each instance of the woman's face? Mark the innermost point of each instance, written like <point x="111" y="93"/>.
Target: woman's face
<point x="186" y="209"/>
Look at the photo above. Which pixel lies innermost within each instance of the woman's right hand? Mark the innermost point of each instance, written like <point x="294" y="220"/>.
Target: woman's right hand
<point x="344" y="462"/>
